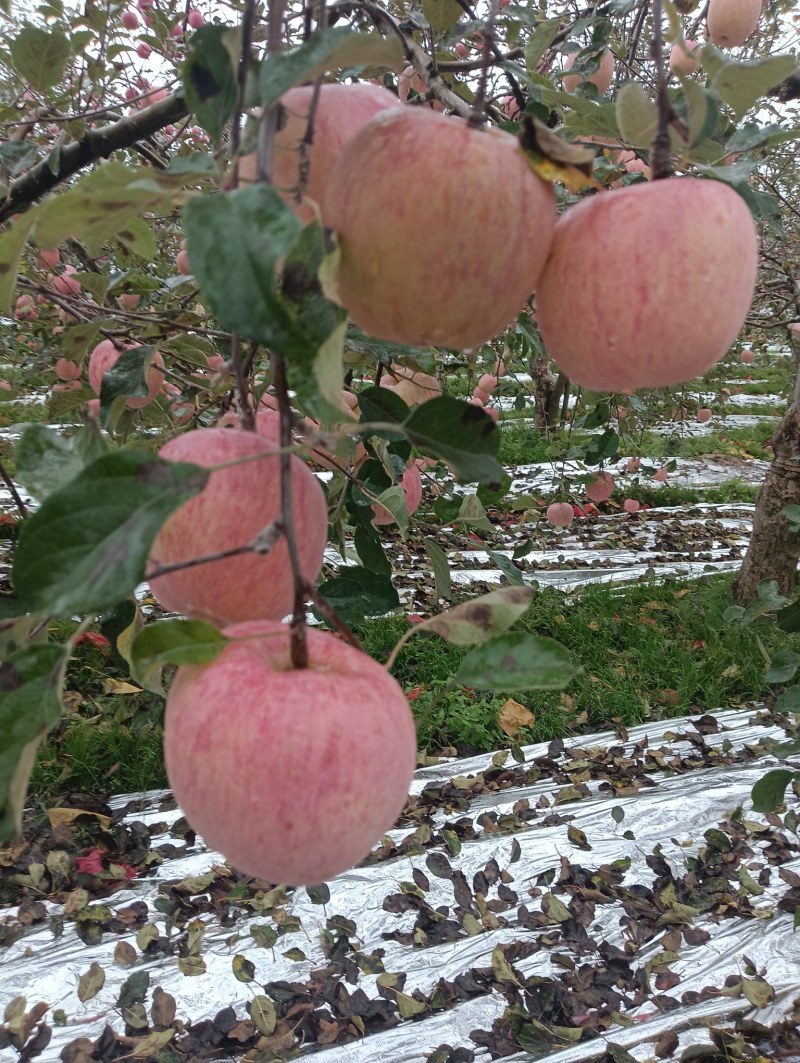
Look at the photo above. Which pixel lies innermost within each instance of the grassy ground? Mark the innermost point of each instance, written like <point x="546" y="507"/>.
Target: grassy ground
<point x="644" y="651"/>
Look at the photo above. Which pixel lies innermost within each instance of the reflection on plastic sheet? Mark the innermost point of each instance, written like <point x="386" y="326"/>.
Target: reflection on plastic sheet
<point x="669" y="816"/>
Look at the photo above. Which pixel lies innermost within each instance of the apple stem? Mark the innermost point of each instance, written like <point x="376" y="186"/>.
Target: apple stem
<point x="329" y="613"/>
<point x="660" y="161"/>
<point x="298" y="641"/>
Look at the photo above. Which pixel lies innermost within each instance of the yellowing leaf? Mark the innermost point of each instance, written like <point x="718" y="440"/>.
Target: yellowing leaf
<point x="513" y="716"/>
<point x="119" y="686"/>
<point x="58" y="817"/>
<point x="553" y="159"/>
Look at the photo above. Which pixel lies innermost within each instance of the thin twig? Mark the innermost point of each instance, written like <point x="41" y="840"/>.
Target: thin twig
<point x="660" y="161"/>
<point x="12" y="487"/>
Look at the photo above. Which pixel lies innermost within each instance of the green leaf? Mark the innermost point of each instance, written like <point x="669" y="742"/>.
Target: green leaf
<point x="442" y="15"/>
<point x="508" y="568"/>
<point x="517" y="661"/>
<point x="209" y="78"/>
<point x="134" y="989"/>
<point x="327" y="50"/>
<point x="381" y="405"/>
<point x="236" y="242"/>
<point x="543" y="35"/>
<point x="393" y="499"/>
<point x="440" y="567"/>
<point x="173" y="642"/>
<point x="357" y="593"/>
<point x="369" y="548"/>
<point x="126" y="379"/>
<point x="475" y="621"/>
<point x="783" y="667"/>
<point x="789" y="700"/>
<point x="86" y="547"/>
<point x="46" y="460"/>
<point x="742" y="84"/>
<point x="788" y="618"/>
<point x="768" y="793"/>
<point x="461" y="434"/>
<point x="792" y="515"/>
<point x="40" y="56"/>
<point x="637" y="115"/>
<point x="30" y="704"/>
<point x="12" y="242"/>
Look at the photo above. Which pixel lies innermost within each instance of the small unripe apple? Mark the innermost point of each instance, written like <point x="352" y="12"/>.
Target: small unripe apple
<point x="293" y="774"/>
<point x="601" y="78"/>
<point x="661" y="475"/>
<point x="648" y="285"/>
<point x="408" y="270"/>
<point x="747" y="356"/>
<point x="560" y="514"/>
<point x="703" y="414"/>
<point x="630" y="505"/>
<point x="237" y="503"/>
<point x="601" y="487"/>
<point x="731" y="22"/>
<point x="106" y="355"/>
<point x="412" y="489"/>
<point x="684" y="57"/>
<point x="341" y="111"/>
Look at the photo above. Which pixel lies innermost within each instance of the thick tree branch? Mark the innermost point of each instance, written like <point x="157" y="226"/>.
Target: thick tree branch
<point x="789" y="89"/>
<point x="96" y="144"/>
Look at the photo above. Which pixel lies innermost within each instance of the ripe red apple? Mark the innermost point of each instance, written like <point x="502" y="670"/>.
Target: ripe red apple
<point x="413" y="387"/>
<point x="412" y="489"/>
<point x="560" y="514"/>
<point x="293" y="774"/>
<point x="65" y="369"/>
<point x="195" y="18"/>
<point x="632" y="464"/>
<point x="602" y="77"/>
<point x="106" y="355"/>
<point x="648" y="285"/>
<point x="601" y="487"/>
<point x="408" y="234"/>
<point x="747" y="356"/>
<point x="703" y="414"/>
<point x="341" y="111"/>
<point x="129" y="19"/>
<point x="661" y="475"/>
<point x="731" y="22"/>
<point x="143" y="50"/>
<point x="630" y="505"/>
<point x="487" y="383"/>
<point x="235" y="505"/>
<point x="684" y="57"/>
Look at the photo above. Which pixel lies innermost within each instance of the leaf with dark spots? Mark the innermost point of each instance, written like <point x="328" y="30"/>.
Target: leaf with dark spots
<point x="472" y="622"/>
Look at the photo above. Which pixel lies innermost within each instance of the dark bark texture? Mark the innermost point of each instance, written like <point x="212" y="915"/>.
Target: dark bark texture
<point x="774" y="550"/>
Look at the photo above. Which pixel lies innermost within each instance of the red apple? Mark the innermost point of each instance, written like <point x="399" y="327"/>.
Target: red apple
<point x="413" y="387"/>
<point x="130" y="20"/>
<point x="292" y="774"/>
<point x="731" y="22"/>
<point x="648" y="285"/>
<point x="601" y="78"/>
<point x="195" y="18"/>
<point x="106" y="355"/>
<point x="341" y="111"/>
<point x="412" y="489"/>
<point x="747" y="356"/>
<point x="67" y="370"/>
<point x="409" y="270"/>
<point x="235" y="505"/>
<point x="601" y="487"/>
<point x="630" y="505"/>
<point x="684" y="57"/>
<point x="661" y="475"/>
<point x="487" y="383"/>
<point x="560" y="514"/>
<point x="703" y="414"/>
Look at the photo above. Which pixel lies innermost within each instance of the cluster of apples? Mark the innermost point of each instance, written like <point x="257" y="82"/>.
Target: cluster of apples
<point x="642" y="286"/>
<point x="292" y="773"/>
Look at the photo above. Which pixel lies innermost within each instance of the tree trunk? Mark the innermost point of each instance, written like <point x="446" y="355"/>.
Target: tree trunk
<point x="543" y="383"/>
<point x="774" y="551"/>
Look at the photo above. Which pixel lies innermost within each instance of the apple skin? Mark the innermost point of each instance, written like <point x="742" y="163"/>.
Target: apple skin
<point x="235" y="505"/>
<point x="292" y="774"/>
<point x="560" y="514"/>
<point x="703" y="414"/>
<point x="731" y="22"/>
<point x="747" y="356"/>
<point x="684" y="57"/>
<point x="341" y="111"/>
<point x="601" y="488"/>
<point x="409" y="229"/>
<point x="413" y="387"/>
<point x="412" y="489"/>
<point x="106" y="355"/>
<point x="631" y="505"/>
<point x="648" y="285"/>
<point x="601" y="78"/>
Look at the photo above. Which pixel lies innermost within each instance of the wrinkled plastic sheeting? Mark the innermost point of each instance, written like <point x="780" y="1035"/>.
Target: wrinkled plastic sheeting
<point x="670" y="816"/>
